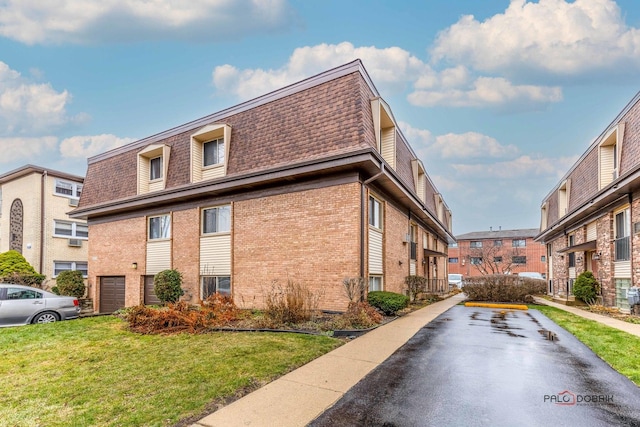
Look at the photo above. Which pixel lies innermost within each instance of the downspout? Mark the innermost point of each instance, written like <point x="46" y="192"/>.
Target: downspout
<point x="42" y="230"/>
<point x="363" y="209"/>
<point x="631" y="237"/>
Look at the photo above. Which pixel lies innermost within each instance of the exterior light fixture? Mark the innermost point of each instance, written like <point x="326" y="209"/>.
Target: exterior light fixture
<point x="134" y="265"/>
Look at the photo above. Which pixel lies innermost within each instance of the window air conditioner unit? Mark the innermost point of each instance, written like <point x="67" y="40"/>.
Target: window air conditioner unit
<point x="76" y="243"/>
<point x="406" y="238"/>
<point x="73" y="202"/>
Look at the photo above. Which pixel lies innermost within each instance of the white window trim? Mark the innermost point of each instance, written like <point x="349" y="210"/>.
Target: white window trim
<point x="75" y="186"/>
<point x="380" y="226"/>
<point x="217" y="277"/>
<point x="207" y="134"/>
<point x="74" y="226"/>
<point x="159" y="239"/>
<point x="144" y="158"/>
<point x="377" y="276"/>
<point x="74" y="266"/>
<point x="215" y="233"/>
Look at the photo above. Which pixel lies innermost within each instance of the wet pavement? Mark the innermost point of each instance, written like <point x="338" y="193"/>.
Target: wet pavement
<point x="490" y="367"/>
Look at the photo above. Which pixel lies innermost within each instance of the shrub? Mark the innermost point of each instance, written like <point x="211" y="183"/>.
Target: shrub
<point x="415" y="285"/>
<point x="359" y="315"/>
<point x="502" y="288"/>
<point x="14" y="268"/>
<point x="166" y="285"/>
<point x="70" y="283"/>
<point x="292" y="304"/>
<point x="586" y="287"/>
<point x="354" y="288"/>
<point x="388" y="302"/>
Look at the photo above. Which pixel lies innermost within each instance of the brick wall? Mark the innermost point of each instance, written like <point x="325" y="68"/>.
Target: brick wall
<point x="310" y="237"/>
<point x="186" y="251"/>
<point x="605" y="247"/>
<point x="396" y="260"/>
<point x="113" y="248"/>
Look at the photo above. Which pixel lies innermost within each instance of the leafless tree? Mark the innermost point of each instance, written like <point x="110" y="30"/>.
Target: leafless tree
<point x="493" y="259"/>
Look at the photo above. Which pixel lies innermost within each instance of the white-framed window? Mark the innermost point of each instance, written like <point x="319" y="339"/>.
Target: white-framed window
<point x="623" y="233"/>
<point x="67" y="188"/>
<point x="519" y="243"/>
<point x="453" y="260"/>
<point x="160" y="227"/>
<point x="209" y="285"/>
<point x="60" y="266"/>
<point x="497" y="243"/>
<point x="475" y="260"/>
<point x="375" y="283"/>
<point x="475" y="244"/>
<point x="155" y="168"/>
<point x="213" y="152"/>
<point x="519" y="259"/>
<point x="216" y="220"/>
<point x="70" y="229"/>
<point x="375" y="212"/>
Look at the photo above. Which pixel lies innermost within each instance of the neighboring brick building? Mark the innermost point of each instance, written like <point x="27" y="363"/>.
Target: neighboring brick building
<point x="34" y="221"/>
<point x="497" y="252"/>
<point x="312" y="183"/>
<point x="591" y="218"/>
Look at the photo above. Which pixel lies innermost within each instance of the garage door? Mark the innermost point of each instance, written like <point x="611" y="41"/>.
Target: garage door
<point x="111" y="294"/>
<point x="150" y="297"/>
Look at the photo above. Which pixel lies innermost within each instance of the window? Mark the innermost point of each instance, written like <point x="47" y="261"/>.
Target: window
<point x="497" y="243"/>
<point x="70" y="229"/>
<point x="159" y="227"/>
<point x="216" y="220"/>
<point x="564" y="192"/>
<point x="413" y="245"/>
<point x="497" y="259"/>
<point x="622" y="236"/>
<point x="375" y="213"/>
<point x="213" y="152"/>
<point x="519" y="243"/>
<point x="608" y="156"/>
<point x="155" y="168"/>
<point x="67" y="188"/>
<point x="454" y="245"/>
<point x="475" y="244"/>
<point x="453" y="260"/>
<point x="215" y="284"/>
<point x="375" y="283"/>
<point x="519" y="259"/>
<point x="60" y="266"/>
<point x="476" y="260"/>
<point x="543" y="258"/>
<point x="19" y="293"/>
<point x="572" y="255"/>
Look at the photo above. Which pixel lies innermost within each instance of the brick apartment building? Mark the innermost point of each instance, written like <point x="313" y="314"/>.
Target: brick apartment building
<point x="497" y="252"/>
<point x="34" y="203"/>
<point x="312" y="183"/>
<point x="591" y="219"/>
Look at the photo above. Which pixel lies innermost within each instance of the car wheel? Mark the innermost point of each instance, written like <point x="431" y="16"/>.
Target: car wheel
<point x="46" y="317"/>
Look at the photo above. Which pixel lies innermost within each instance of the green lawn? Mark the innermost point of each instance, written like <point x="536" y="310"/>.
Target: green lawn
<point x="93" y="372"/>
<point x="619" y="349"/>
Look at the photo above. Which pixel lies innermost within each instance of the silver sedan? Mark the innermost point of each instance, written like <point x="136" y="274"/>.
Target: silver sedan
<point x="21" y="305"/>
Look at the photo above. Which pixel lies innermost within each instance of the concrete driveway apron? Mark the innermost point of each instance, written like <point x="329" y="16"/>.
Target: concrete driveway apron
<point x="490" y="367"/>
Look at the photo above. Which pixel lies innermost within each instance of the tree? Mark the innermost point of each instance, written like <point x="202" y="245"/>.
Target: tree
<point x="493" y="259"/>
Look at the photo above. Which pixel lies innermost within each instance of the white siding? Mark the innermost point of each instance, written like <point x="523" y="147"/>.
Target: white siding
<point x="389" y="146"/>
<point x="143" y="175"/>
<point x="156" y="185"/>
<point x="412" y="268"/>
<point x="158" y="256"/>
<point x="375" y="252"/>
<point x="606" y="165"/>
<point x="213" y="172"/>
<point x="572" y="272"/>
<point x="215" y="255"/>
<point x="592" y="233"/>
<point x="622" y="269"/>
<point x="196" y="161"/>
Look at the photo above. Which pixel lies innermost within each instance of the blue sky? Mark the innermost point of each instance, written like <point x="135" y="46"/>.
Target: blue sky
<point x="498" y="98"/>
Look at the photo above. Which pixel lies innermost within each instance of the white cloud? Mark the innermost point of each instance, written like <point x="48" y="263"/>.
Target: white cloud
<point x="86" y="21"/>
<point x="24" y="149"/>
<point x="523" y="166"/>
<point x="487" y="91"/>
<point x="87" y="146"/>
<point x="550" y="36"/>
<point x="391" y="68"/>
<point x="26" y="105"/>
<point x="471" y="145"/>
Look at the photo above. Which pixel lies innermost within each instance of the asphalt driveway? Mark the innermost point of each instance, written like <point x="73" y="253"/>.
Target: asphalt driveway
<point x="490" y="367"/>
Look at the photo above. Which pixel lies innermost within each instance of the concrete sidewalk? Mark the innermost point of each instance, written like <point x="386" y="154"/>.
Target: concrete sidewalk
<point x="631" y="328"/>
<point x="300" y="396"/>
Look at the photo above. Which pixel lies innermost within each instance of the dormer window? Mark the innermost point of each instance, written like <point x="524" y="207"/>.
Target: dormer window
<point x="152" y="168"/>
<point x="209" y="152"/>
<point x="563" y="198"/>
<point x="609" y="156"/>
<point x="385" y="130"/>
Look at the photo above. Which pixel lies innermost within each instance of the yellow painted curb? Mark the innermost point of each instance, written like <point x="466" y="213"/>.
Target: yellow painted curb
<point x="493" y="305"/>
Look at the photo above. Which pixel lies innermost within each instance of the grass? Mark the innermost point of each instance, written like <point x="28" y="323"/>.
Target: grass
<point x="94" y="372"/>
<point x="619" y="349"/>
